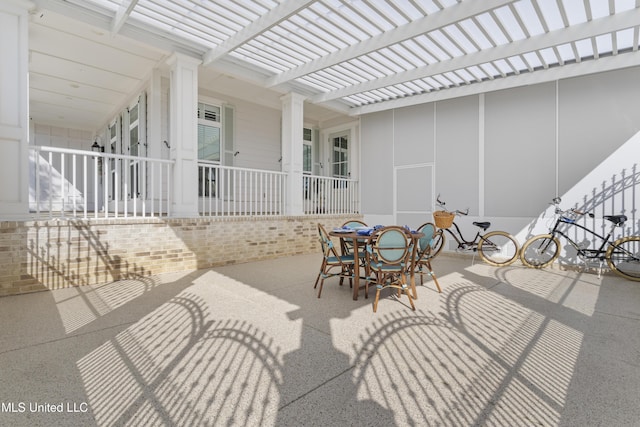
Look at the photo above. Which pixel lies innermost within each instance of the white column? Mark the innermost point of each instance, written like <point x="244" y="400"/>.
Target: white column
<point x="154" y="138"/>
<point x="184" y="134"/>
<point x="14" y="109"/>
<point x="292" y="124"/>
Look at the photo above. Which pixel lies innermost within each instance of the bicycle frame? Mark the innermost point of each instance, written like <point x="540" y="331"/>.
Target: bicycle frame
<point x="496" y="248"/>
<point x="462" y="242"/>
<point x="585" y="252"/>
<point x="622" y="254"/>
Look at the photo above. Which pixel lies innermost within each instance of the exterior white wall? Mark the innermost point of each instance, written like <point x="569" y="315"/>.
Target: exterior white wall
<point x="53" y="136"/>
<point x="458" y="154"/>
<point x="520" y="141"/>
<point x="258" y="136"/>
<point x="377" y="167"/>
<point x="506" y="154"/>
<point x="597" y="114"/>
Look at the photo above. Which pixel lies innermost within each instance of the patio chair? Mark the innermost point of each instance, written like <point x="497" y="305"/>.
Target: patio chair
<point x="347" y="244"/>
<point x="332" y="263"/>
<point x="388" y="258"/>
<point x="354" y="223"/>
<point x="423" y="257"/>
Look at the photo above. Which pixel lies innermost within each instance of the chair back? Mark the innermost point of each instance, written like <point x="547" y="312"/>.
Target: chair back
<point x="354" y="224"/>
<point x="424" y="243"/>
<point x="328" y="250"/>
<point x="390" y="246"/>
<point x="425" y="252"/>
<point x="347" y="244"/>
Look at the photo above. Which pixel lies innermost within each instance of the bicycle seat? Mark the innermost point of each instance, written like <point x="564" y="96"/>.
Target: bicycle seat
<point x="616" y="219"/>
<point x="483" y="225"/>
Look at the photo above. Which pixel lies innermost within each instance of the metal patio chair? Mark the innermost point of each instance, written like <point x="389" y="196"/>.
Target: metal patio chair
<point x="424" y="256"/>
<point x="333" y="264"/>
<point x="388" y="262"/>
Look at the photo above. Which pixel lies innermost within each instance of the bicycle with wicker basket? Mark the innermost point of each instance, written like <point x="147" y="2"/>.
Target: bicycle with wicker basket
<point x="497" y="248"/>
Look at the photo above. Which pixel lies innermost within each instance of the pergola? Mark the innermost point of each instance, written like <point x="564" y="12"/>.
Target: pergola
<point x="361" y="56"/>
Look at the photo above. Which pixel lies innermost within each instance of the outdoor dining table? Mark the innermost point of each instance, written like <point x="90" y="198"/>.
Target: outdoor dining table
<point x="359" y="241"/>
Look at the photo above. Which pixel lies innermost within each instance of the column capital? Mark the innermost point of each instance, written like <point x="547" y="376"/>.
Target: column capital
<point x="177" y="57"/>
<point x="292" y="97"/>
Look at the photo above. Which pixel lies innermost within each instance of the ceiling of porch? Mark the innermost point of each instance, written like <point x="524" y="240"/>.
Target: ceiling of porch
<point x="347" y="56"/>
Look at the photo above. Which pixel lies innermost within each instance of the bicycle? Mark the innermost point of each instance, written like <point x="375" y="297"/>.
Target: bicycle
<point x="497" y="248"/>
<point x="622" y="255"/>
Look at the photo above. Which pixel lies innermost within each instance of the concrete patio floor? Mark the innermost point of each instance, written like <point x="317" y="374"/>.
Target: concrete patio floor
<point x="250" y="344"/>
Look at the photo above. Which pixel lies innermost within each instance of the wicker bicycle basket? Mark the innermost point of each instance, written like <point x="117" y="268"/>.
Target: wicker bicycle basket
<point x="443" y="219"/>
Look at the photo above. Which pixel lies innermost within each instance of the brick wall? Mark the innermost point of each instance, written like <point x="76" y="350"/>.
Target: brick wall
<point x="45" y="255"/>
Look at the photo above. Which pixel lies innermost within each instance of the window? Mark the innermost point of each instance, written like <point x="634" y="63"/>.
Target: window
<point x="113" y="137"/>
<point x="127" y="135"/>
<point x="209" y="133"/>
<point x="340" y="147"/>
<point x="115" y="148"/>
<point x="307" y="147"/>
<point x="134" y="126"/>
<point x="209" y="146"/>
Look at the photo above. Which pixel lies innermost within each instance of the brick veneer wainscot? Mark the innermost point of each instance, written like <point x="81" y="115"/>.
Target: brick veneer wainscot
<point x="45" y="255"/>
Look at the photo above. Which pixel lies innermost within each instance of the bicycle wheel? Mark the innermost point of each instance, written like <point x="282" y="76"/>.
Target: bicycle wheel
<point x="623" y="257"/>
<point x="498" y="248"/>
<point x="540" y="251"/>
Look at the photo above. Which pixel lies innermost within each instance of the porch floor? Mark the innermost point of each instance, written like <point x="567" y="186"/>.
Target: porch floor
<point x="251" y="344"/>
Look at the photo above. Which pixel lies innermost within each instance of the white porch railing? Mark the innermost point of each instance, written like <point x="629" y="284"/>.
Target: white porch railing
<point x="327" y="195"/>
<point x="65" y="183"/>
<point x="82" y="184"/>
<point x="233" y="191"/>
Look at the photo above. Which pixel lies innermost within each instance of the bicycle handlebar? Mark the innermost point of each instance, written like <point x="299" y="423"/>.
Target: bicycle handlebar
<point x="457" y="212"/>
<point x="557" y="200"/>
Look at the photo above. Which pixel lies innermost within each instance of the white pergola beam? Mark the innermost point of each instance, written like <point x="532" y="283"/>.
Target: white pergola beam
<point x="607" y="24"/>
<point x="260" y="25"/>
<point x="611" y="63"/>
<point x="123" y="13"/>
<point x="443" y="18"/>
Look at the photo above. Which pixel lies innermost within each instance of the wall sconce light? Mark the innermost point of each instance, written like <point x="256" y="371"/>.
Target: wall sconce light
<point x="236" y="153"/>
<point x="97" y="148"/>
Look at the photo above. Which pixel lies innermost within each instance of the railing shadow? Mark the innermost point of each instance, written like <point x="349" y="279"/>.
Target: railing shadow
<point x="190" y="363"/>
<point x="57" y="261"/>
<point x="459" y="370"/>
<point x="400" y="362"/>
<point x="620" y="194"/>
<point x="544" y="332"/>
<point x="259" y="348"/>
<point x="71" y="254"/>
<point x="195" y="371"/>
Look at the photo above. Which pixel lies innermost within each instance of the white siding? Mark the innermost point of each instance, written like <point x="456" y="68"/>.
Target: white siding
<point x="505" y="154"/>
<point x="258" y="136"/>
